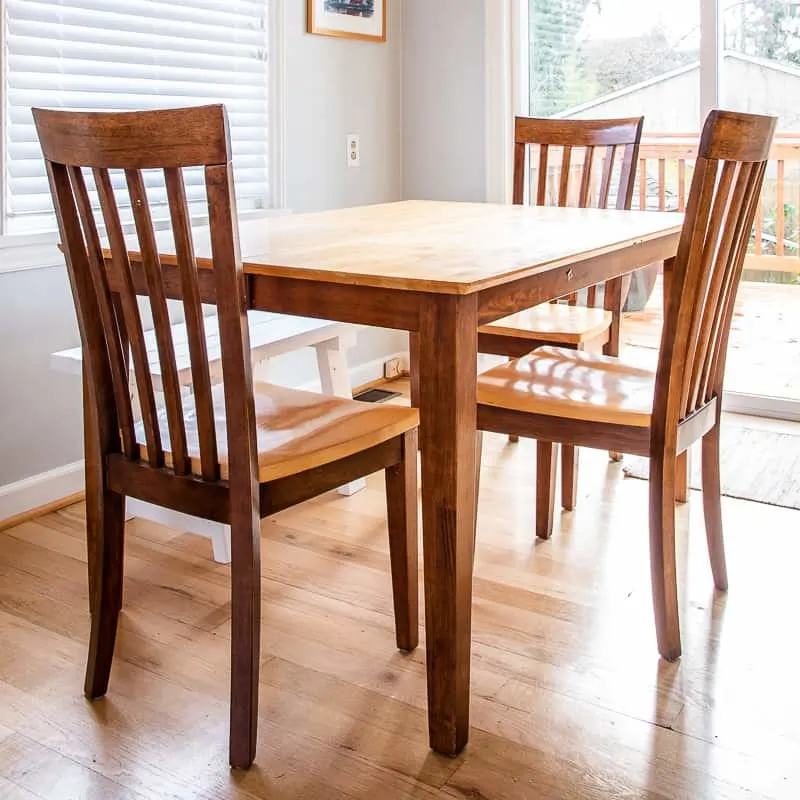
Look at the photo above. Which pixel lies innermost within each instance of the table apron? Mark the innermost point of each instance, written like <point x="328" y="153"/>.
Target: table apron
<point x="364" y="305"/>
<point x="500" y="301"/>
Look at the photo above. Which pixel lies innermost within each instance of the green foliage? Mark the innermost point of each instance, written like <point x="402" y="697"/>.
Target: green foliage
<point x="554" y="26"/>
<point x="765" y="28"/>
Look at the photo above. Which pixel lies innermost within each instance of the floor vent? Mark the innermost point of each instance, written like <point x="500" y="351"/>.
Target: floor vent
<point x="375" y="395"/>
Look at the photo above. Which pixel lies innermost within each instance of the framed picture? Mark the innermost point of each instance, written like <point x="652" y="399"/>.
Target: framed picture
<point x="353" y="19"/>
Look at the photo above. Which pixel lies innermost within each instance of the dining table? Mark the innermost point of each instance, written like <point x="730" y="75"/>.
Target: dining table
<point x="439" y="270"/>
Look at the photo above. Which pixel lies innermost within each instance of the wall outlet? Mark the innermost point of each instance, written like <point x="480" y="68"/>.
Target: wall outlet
<point x="353" y="150"/>
<point x="392" y="368"/>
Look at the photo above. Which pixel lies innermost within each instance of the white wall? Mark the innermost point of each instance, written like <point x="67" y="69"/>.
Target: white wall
<point x="334" y="87"/>
<point x="444" y="100"/>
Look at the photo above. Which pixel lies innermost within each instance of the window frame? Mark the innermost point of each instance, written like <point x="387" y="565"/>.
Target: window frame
<point x="24" y="251"/>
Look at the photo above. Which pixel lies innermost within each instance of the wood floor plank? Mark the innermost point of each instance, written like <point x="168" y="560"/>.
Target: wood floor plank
<point x="569" y="698"/>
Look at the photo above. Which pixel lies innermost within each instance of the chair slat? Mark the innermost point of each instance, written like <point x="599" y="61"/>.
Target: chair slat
<point x="161" y="321"/>
<point x="105" y="306"/>
<point x="586" y="177"/>
<point x="563" y="186"/>
<point x="541" y="191"/>
<point x="195" y="329"/>
<point x="715" y="359"/>
<point x="630" y="155"/>
<point x="519" y="173"/>
<point x="120" y="264"/>
<point x="605" y="181"/>
<point x="728" y="207"/>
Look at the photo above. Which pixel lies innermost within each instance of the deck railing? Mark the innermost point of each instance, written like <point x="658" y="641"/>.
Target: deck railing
<point x="665" y="169"/>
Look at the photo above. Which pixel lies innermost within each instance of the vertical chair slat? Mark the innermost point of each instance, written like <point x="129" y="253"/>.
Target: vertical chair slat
<point x="605" y="182"/>
<point x="133" y="321"/>
<point x="161" y="321"/>
<point x="715" y="359"/>
<point x="630" y="154"/>
<point x="193" y="311"/>
<point x="707" y="310"/>
<point x="566" y="165"/>
<point x="519" y="173"/>
<point x="105" y="307"/>
<point x="586" y="177"/>
<point x="541" y="190"/>
<point x="708" y="222"/>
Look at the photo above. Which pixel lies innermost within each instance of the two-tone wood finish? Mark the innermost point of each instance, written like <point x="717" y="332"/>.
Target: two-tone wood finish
<point x="438" y="269"/>
<point x="231" y="454"/>
<point x="555" y="395"/>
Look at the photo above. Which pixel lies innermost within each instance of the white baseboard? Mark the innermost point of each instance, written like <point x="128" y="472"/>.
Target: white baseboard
<point x="40" y="490"/>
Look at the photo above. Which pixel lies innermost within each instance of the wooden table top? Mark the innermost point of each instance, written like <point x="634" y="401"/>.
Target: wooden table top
<point x="443" y="247"/>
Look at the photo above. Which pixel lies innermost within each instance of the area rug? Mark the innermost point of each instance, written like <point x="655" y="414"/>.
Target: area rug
<point x="759" y="465"/>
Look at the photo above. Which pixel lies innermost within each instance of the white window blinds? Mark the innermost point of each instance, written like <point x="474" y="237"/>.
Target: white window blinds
<point x="130" y="55"/>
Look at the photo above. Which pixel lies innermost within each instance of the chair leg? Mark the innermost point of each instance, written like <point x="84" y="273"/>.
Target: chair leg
<point x="401" y="511"/>
<point x="662" y="555"/>
<point x="107" y="588"/>
<point x="569" y="476"/>
<point x="546" y="463"/>
<point x="245" y="634"/>
<point x="682" y="478"/>
<point x="712" y="508"/>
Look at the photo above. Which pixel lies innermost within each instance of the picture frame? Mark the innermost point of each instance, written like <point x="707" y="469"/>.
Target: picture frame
<point x="349" y="19"/>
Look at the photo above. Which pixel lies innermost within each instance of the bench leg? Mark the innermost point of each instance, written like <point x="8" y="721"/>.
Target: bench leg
<point x="219" y="533"/>
<point x="335" y="380"/>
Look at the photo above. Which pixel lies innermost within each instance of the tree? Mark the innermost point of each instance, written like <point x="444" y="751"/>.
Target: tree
<point x="620" y="63"/>
<point x="765" y="28"/>
<point x="554" y="26"/>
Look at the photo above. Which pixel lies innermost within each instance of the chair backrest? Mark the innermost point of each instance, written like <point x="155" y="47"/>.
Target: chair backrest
<point x="583" y="145"/>
<point x="109" y="156"/>
<point x="729" y="171"/>
<point x="617" y="141"/>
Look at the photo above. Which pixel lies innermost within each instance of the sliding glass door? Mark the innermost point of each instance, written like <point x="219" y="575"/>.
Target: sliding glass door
<point x="671" y="61"/>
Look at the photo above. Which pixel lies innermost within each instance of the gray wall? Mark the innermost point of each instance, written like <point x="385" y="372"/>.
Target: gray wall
<point x="334" y="87"/>
<point x="444" y="100"/>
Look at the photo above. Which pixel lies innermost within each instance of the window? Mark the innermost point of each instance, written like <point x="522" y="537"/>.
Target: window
<point x="130" y="55"/>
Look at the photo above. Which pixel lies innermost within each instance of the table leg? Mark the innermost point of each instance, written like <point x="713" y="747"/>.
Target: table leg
<point x="447" y="377"/>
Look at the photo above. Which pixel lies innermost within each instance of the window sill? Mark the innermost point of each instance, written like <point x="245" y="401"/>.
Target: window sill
<point x="19" y="253"/>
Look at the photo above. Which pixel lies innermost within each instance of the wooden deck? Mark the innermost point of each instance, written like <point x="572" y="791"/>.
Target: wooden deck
<point x="764" y="348"/>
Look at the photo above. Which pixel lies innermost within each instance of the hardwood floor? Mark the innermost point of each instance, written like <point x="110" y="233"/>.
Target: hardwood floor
<point x="569" y="698"/>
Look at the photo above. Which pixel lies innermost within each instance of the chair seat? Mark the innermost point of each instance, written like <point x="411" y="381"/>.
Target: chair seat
<point x="296" y="430"/>
<point x="571" y="384"/>
<point x="553" y="322"/>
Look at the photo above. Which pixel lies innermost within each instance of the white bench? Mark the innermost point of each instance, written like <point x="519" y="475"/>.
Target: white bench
<point x="270" y="335"/>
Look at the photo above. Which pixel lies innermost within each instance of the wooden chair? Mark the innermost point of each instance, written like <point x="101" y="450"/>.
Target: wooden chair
<point x="582" y="144"/>
<point x="561" y="395"/>
<point x="229" y="453"/>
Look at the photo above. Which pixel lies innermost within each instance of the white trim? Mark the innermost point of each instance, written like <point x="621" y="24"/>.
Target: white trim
<point x="498" y="80"/>
<point x="3" y="120"/>
<point x="40" y="490"/>
<point x="276" y="73"/>
<point x="761" y="406"/>
<point x="520" y="57"/>
<point x="710" y="56"/>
